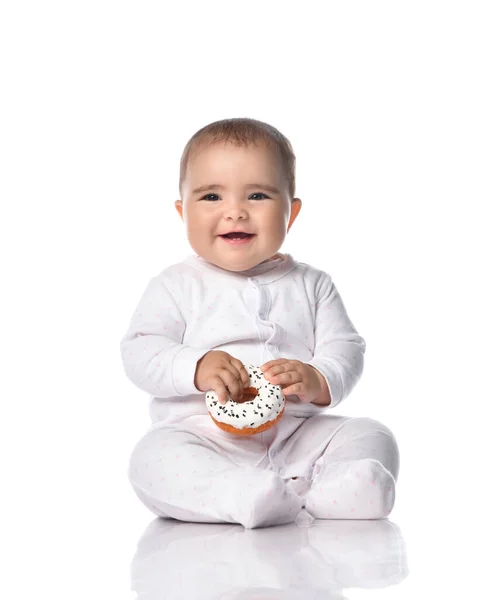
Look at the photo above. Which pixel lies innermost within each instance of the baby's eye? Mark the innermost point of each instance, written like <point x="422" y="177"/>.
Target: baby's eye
<point x="208" y="195"/>
<point x="259" y="194"/>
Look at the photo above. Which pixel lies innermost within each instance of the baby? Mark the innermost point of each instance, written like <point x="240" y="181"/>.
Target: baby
<point x="240" y="302"/>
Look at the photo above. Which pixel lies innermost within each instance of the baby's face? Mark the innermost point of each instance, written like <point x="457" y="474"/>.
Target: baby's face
<point x="240" y="198"/>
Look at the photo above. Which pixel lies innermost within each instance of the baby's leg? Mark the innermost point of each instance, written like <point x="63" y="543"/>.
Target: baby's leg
<point x="177" y="474"/>
<point x="355" y="477"/>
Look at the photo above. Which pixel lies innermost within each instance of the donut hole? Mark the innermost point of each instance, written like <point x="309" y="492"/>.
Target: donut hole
<point x="249" y="394"/>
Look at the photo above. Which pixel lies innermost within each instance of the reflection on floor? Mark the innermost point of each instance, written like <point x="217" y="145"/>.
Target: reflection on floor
<point x="315" y="561"/>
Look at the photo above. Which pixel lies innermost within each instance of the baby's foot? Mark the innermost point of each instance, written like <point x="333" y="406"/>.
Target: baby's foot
<point x="357" y="489"/>
<point x="271" y="503"/>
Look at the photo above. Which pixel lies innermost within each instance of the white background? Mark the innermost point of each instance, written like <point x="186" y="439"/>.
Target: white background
<point x="392" y="110"/>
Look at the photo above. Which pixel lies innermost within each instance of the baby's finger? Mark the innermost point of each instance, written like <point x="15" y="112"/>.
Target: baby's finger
<point x="220" y="389"/>
<point x="242" y="373"/>
<point x="232" y="380"/>
<point x="244" y="376"/>
<point x="239" y="366"/>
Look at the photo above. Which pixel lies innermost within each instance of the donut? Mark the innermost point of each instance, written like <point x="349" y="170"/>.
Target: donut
<point x="260" y="408"/>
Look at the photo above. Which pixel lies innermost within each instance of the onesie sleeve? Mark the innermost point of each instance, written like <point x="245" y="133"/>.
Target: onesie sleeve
<point x="339" y="349"/>
<point x="154" y="357"/>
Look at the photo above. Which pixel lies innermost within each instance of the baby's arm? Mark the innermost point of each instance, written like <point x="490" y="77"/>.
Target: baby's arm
<point x="339" y="349"/>
<point x="153" y="355"/>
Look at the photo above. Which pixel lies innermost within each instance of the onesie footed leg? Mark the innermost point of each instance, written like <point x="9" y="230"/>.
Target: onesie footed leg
<point x="244" y="495"/>
<point x="355" y="489"/>
<point x="355" y="477"/>
<point x="177" y="474"/>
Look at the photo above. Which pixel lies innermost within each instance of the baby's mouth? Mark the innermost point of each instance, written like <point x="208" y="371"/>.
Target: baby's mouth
<point x="237" y="235"/>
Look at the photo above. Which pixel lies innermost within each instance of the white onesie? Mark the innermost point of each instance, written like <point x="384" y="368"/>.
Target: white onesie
<point x="279" y="309"/>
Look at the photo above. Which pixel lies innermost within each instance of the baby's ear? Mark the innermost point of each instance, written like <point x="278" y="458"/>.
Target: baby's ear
<point x="179" y="207"/>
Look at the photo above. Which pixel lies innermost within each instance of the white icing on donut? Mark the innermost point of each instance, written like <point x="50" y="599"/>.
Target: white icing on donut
<point x="266" y="406"/>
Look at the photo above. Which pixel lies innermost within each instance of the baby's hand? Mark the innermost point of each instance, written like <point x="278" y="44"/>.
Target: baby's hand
<point x="295" y="377"/>
<point x="219" y="371"/>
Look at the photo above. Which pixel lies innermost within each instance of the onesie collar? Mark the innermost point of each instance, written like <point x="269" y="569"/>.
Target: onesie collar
<point x="259" y="274"/>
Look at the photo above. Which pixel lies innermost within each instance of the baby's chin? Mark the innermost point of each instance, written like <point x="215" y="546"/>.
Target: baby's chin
<point x="235" y="266"/>
<point x="238" y="261"/>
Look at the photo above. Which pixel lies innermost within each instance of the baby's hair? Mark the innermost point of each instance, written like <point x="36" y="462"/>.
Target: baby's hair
<point x="242" y="132"/>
